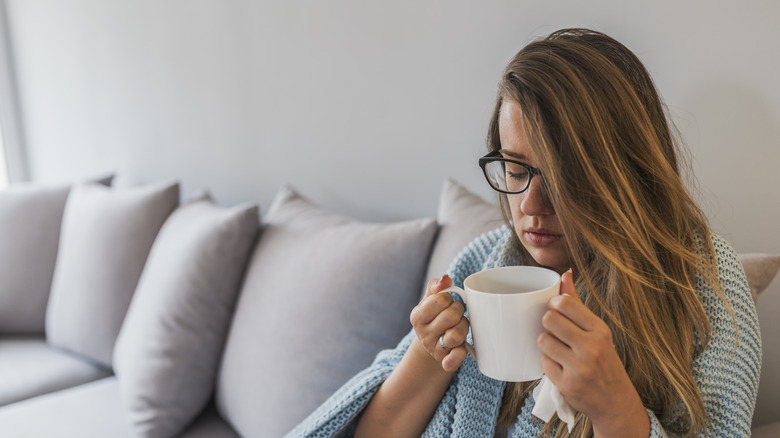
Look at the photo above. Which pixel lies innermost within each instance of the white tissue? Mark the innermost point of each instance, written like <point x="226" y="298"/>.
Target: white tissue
<point x="548" y="400"/>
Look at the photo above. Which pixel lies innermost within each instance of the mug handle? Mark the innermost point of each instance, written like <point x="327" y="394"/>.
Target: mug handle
<point x="462" y="294"/>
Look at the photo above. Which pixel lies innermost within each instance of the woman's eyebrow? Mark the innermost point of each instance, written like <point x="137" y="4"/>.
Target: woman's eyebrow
<point x="513" y="154"/>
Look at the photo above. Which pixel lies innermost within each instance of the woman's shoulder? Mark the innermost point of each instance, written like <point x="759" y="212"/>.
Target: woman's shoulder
<point x="731" y="276"/>
<point x="729" y="265"/>
<point x="733" y="281"/>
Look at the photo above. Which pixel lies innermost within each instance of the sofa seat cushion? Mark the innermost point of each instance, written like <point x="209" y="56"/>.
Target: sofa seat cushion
<point x="89" y="410"/>
<point x="30" y="367"/>
<point x="92" y="410"/>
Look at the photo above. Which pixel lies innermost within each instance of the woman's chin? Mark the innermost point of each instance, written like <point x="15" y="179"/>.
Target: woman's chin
<point x="554" y="260"/>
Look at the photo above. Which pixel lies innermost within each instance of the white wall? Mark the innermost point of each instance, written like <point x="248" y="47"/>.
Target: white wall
<point x="367" y="106"/>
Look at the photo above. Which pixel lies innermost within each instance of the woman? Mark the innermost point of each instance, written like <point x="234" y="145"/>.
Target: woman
<point x="654" y="333"/>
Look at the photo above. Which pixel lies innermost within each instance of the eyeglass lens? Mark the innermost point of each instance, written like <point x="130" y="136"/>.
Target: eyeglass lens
<point x="507" y="176"/>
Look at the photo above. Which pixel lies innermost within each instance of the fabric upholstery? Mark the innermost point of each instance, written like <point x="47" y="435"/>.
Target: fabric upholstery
<point x="30" y="219"/>
<point x="323" y="294"/>
<point x="209" y="425"/>
<point x="760" y="270"/>
<point x="168" y="350"/>
<point x="93" y="410"/>
<point x="30" y="367"/>
<point x="105" y="239"/>
<point x="766" y="431"/>
<point x="463" y="216"/>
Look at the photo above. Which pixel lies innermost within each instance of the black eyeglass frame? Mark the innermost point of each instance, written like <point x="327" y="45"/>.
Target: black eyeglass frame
<point x="494" y="156"/>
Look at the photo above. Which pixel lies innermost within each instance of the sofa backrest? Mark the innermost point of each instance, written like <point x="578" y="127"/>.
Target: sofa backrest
<point x="322" y="295"/>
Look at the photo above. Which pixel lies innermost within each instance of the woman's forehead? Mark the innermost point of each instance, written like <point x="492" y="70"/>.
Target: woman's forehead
<point x="511" y="128"/>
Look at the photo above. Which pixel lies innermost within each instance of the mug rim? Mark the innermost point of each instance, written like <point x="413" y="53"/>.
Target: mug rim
<point x="521" y="267"/>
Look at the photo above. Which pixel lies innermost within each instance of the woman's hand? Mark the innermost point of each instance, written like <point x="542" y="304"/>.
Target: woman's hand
<point x="579" y="357"/>
<point x="439" y="316"/>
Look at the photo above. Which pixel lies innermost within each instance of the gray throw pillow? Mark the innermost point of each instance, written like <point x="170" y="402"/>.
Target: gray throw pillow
<point x="760" y="269"/>
<point x="463" y="216"/>
<point x="322" y="296"/>
<point x="168" y="350"/>
<point x="30" y="221"/>
<point x="105" y="239"/>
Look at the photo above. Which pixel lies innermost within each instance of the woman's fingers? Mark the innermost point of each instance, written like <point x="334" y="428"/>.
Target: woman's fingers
<point x="437" y="285"/>
<point x="557" y="324"/>
<point x="551" y="368"/>
<point x="437" y="320"/>
<point x="429" y="308"/>
<point x="433" y="302"/>
<point x="575" y="325"/>
<point x="570" y="305"/>
<point x="456" y="336"/>
<point x="447" y="318"/>
<point x="553" y="349"/>
<point x="454" y="359"/>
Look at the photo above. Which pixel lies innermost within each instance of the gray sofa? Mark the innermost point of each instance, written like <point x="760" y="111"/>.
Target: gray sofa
<point x="124" y="312"/>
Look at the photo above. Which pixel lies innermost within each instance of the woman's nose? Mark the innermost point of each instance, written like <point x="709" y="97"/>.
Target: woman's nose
<point x="535" y="200"/>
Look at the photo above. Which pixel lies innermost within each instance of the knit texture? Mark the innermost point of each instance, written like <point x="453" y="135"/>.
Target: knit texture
<point x="726" y="372"/>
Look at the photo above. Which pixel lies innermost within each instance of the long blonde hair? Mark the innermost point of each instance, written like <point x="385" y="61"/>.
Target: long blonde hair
<point x="638" y="241"/>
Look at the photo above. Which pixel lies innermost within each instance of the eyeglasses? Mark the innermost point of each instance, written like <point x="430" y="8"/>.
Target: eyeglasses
<point x="506" y="175"/>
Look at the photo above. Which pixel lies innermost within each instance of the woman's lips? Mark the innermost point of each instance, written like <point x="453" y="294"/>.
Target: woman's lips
<point x="542" y="238"/>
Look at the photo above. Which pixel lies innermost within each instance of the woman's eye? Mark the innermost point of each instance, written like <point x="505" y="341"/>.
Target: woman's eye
<point x="519" y="175"/>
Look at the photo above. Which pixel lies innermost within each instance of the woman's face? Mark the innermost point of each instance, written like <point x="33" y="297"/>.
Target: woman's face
<point x="533" y="215"/>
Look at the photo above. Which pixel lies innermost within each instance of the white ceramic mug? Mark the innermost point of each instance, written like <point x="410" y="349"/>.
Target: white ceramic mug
<point x="505" y="307"/>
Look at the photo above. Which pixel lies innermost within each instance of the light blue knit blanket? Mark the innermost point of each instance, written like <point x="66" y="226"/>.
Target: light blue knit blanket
<point x="726" y="372"/>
